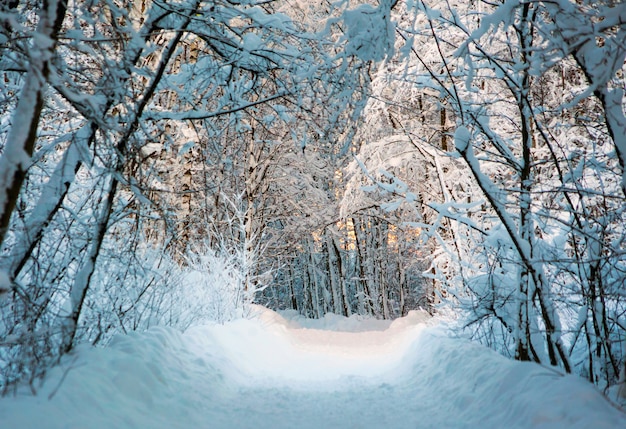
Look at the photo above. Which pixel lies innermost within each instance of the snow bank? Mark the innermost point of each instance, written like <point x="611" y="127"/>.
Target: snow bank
<point x="470" y="378"/>
<point x="333" y="322"/>
<point x="283" y="371"/>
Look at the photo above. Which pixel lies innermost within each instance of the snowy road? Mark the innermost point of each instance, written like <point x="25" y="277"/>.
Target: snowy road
<point x="271" y="372"/>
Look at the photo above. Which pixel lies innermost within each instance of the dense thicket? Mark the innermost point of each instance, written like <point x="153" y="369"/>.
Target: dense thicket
<point x="530" y="223"/>
<point x="135" y="131"/>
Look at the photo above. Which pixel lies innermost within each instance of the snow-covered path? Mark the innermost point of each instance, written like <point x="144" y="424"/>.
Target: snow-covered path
<point x="277" y="372"/>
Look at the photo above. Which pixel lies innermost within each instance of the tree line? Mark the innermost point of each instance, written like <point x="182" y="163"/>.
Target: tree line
<point x="356" y="158"/>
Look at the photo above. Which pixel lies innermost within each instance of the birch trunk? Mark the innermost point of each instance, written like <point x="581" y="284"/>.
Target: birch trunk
<point x="18" y="151"/>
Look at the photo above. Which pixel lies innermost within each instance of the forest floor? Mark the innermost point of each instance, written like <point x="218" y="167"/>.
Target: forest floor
<point x="284" y="371"/>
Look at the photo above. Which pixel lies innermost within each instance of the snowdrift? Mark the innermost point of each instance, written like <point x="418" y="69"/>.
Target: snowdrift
<point x="284" y="371"/>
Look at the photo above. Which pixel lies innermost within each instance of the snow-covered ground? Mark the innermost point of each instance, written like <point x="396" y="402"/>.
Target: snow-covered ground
<point x="283" y="371"/>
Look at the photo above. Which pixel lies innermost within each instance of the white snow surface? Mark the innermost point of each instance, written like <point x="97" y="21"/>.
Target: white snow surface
<point x="283" y="371"/>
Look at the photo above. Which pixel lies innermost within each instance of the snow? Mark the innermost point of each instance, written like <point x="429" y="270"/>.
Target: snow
<point x="462" y="137"/>
<point x="369" y="33"/>
<point x="5" y="283"/>
<point x="284" y="371"/>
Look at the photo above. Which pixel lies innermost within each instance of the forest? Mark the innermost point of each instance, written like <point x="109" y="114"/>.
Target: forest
<point x="171" y="162"/>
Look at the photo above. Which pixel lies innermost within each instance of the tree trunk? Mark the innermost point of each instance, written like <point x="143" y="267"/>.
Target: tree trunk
<point x="82" y="281"/>
<point x="361" y="261"/>
<point x="18" y="151"/>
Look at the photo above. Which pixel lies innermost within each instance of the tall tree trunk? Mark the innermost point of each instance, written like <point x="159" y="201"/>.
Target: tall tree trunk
<point x="292" y="289"/>
<point x="81" y="284"/>
<point x="360" y="241"/>
<point x="345" y="301"/>
<point x="526" y="230"/>
<point x="318" y="309"/>
<point x="18" y="151"/>
<point x="382" y="264"/>
<point x="82" y="281"/>
<point x="331" y="270"/>
<point x="401" y="286"/>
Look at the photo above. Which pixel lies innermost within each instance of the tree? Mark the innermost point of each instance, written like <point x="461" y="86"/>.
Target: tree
<point x="116" y="85"/>
<point x="538" y="166"/>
